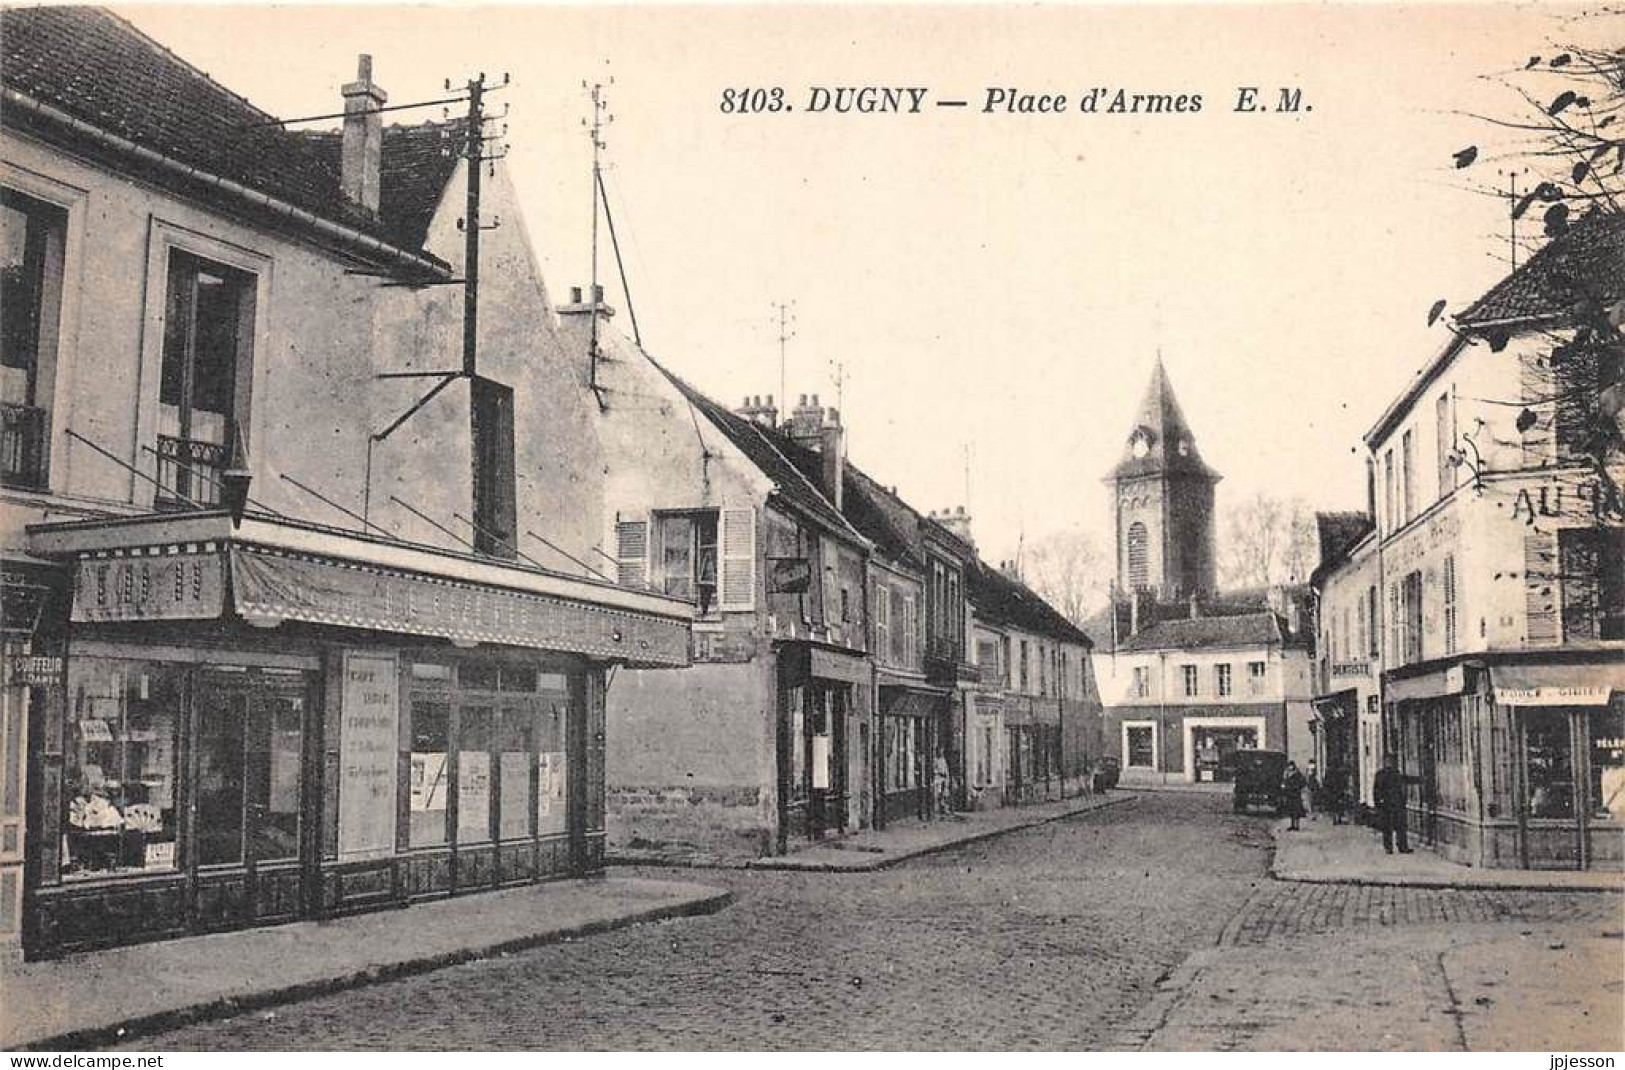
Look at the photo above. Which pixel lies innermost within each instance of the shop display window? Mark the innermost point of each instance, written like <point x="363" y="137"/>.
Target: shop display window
<point x="429" y="781"/>
<point x="250" y="738"/>
<point x="1608" y="762"/>
<point x="119" y="776"/>
<point x="513" y="758"/>
<point x="275" y="740"/>
<point x="474" y="774"/>
<point x="1551" y="771"/>
<point x="552" y="789"/>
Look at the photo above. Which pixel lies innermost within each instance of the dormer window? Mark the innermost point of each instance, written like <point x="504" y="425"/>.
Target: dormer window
<point x="1139" y="443"/>
<point x="1184" y="447"/>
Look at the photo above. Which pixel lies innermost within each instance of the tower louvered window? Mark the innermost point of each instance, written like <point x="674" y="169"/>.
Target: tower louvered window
<point x="1138" y="553"/>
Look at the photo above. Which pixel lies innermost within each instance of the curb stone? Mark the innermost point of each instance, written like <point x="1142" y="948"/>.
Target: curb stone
<point x="230" y="1006"/>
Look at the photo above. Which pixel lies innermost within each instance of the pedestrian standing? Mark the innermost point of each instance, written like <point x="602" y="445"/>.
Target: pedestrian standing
<point x="940" y="775"/>
<point x="1292" y="785"/>
<point x="1389" y="791"/>
<point x="1336" y="790"/>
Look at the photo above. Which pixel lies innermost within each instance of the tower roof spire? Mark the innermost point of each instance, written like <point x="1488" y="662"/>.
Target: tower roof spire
<point x="1161" y="439"/>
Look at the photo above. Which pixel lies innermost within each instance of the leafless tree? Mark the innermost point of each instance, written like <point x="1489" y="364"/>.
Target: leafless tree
<point x="1068" y="569"/>
<point x="1266" y="540"/>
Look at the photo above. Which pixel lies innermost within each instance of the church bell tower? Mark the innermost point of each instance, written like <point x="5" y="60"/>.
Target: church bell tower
<point x="1162" y="503"/>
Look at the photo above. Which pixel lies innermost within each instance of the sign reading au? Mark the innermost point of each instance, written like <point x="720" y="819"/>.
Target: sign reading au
<point x="368" y="740"/>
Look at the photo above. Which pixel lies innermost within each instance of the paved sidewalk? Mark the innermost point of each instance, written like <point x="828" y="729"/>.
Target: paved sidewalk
<point x="93" y="998"/>
<point x="1468" y="988"/>
<point x="1323" y="853"/>
<point x="873" y="849"/>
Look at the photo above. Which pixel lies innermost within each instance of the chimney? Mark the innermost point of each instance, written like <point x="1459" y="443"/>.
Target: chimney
<point x="758" y="411"/>
<point x="363" y="141"/>
<point x="834" y="457"/>
<point x="956" y="520"/>
<point x="806" y="423"/>
<point x="579" y="306"/>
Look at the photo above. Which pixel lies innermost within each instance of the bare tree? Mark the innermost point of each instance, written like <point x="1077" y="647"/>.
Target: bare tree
<point x="1267" y="540"/>
<point x="1068" y="569"/>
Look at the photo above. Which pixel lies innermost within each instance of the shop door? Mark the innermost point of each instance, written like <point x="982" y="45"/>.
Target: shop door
<point x="824" y="740"/>
<point x="250" y="799"/>
<point x="1429" y="788"/>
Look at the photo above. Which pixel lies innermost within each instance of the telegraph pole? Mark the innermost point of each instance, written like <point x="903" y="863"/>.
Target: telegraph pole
<point x="595" y="128"/>
<point x="787" y="318"/>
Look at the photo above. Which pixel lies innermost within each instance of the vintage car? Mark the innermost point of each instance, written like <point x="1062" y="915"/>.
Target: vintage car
<point x="1105" y="773"/>
<point x="1258" y="779"/>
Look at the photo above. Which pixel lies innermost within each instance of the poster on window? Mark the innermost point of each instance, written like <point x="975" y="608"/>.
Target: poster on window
<point x="428" y="781"/>
<point x="368" y="740"/>
<point x="550" y="800"/>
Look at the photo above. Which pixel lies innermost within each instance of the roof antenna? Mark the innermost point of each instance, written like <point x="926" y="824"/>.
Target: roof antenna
<point x="595" y="129"/>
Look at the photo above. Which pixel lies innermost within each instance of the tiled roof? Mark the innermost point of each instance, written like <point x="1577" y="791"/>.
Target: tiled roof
<point x="1587" y="261"/>
<point x="1002" y="600"/>
<point x="1339" y="533"/>
<point x="878" y="514"/>
<point x="100" y="70"/>
<point x="1251" y="629"/>
<point x="753" y="442"/>
<point x="415" y="165"/>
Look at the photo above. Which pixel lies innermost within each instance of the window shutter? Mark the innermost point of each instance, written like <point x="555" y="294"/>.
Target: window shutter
<point x="738" y="560"/>
<point x="632" y="553"/>
<point x="1540" y="587"/>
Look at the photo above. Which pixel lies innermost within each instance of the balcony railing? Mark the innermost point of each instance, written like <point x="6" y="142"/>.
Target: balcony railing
<point x="189" y="473"/>
<point x="22" y="447"/>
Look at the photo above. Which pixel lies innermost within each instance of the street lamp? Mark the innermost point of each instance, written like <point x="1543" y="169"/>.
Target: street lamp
<point x="234" y="481"/>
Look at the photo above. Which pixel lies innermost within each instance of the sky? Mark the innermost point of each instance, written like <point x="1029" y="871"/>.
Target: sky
<point x="987" y="282"/>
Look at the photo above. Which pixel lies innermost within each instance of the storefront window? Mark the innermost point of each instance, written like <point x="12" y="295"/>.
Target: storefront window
<point x="1140" y="749"/>
<point x="1551" y="773"/>
<point x="794" y="697"/>
<point x="431" y="733"/>
<point x="474" y="774"/>
<point x="119" y="767"/>
<point x="1608" y="762"/>
<point x="221" y="716"/>
<point x="275" y="739"/>
<point x="513" y="748"/>
<point x="552" y="790"/>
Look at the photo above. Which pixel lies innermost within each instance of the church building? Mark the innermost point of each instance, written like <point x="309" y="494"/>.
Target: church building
<point x="1188" y="673"/>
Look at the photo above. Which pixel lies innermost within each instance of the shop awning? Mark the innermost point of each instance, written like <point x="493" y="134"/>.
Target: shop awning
<point x="910" y="702"/>
<point x="196" y="566"/>
<point x="1589" y="683"/>
<point x="1451" y="680"/>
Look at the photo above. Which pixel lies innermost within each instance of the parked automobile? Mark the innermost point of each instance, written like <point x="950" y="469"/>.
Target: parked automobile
<point x="1258" y="779"/>
<point x="1106" y="771"/>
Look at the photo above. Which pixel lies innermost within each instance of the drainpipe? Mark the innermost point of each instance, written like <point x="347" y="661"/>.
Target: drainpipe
<point x="335" y="231"/>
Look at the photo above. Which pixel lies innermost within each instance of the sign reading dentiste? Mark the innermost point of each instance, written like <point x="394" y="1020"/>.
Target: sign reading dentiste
<point x="368" y="741"/>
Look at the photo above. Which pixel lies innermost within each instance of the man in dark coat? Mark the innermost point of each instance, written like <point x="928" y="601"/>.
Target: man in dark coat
<point x="1291" y="804"/>
<point x="1389" y="792"/>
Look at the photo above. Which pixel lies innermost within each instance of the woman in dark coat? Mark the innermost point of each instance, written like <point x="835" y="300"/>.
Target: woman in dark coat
<point x="1292" y="785"/>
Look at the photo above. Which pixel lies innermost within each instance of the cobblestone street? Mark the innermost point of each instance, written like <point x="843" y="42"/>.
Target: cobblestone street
<point x="1054" y="937"/>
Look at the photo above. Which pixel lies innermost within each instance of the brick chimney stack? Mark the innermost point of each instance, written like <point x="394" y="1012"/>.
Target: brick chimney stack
<point x="361" y="160"/>
<point x="956" y="520"/>
<point x="759" y="411"/>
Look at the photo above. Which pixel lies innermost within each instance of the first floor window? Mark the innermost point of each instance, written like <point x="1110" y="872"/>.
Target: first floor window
<point x="688" y="557"/>
<point x="1256" y="676"/>
<point x="1593" y="582"/>
<point x="31" y="233"/>
<point x="1193" y="684"/>
<point x="1221" y="679"/>
<point x="208" y="335"/>
<point x="1142" y="682"/>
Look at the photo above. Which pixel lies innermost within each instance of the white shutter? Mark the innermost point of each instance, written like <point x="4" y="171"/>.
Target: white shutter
<point x="632" y="553"/>
<point x="738" y="560"/>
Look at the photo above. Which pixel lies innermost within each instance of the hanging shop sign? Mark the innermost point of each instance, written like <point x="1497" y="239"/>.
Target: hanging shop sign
<point x="269" y="587"/>
<point x="369" y="732"/>
<point x="157" y="583"/>
<point x="789" y="575"/>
